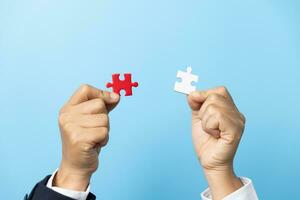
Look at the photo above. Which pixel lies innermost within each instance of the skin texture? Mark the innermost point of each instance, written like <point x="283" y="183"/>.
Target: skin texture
<point x="217" y="127"/>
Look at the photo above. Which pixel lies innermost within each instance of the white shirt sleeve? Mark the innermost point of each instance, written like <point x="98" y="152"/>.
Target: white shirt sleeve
<point x="78" y="195"/>
<point x="247" y="192"/>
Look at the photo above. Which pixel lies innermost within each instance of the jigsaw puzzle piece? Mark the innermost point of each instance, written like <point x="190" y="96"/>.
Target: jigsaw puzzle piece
<point x="125" y="84"/>
<point x="187" y="78"/>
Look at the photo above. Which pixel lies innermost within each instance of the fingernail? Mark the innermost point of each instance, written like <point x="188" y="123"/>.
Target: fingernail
<point x="114" y="96"/>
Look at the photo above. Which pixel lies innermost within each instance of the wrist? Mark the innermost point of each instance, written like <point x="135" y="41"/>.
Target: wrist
<point x="71" y="179"/>
<point x="222" y="182"/>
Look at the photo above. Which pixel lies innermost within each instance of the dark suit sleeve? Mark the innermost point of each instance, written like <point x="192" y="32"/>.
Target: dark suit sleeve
<point x="42" y="192"/>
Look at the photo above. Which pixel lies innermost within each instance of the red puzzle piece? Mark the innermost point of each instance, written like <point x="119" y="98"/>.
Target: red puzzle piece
<point x="119" y="85"/>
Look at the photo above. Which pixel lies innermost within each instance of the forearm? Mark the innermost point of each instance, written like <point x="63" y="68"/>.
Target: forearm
<point x="222" y="182"/>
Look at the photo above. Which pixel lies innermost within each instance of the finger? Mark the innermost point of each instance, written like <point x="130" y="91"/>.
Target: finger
<point x="209" y="109"/>
<point x="87" y="121"/>
<point x="197" y="98"/>
<point x="87" y="92"/>
<point x="210" y="125"/>
<point x="93" y="121"/>
<point x="220" y="125"/>
<point x="94" y="106"/>
<point x="231" y="129"/>
<point x="95" y="135"/>
<point x="98" y="146"/>
<point x="105" y="141"/>
<point x="84" y="93"/>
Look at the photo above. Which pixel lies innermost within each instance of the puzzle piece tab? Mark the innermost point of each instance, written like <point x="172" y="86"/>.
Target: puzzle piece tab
<point x="125" y="84"/>
<point x="187" y="78"/>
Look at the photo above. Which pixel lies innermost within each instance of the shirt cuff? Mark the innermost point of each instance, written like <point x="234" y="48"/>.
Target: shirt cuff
<point x="247" y="192"/>
<point x="78" y="195"/>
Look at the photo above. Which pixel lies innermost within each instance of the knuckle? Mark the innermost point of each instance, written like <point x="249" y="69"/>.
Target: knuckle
<point x="62" y="110"/>
<point x="84" y="88"/>
<point x="99" y="103"/>
<point x="104" y="143"/>
<point x="63" y="118"/>
<point x="212" y="108"/>
<point x="240" y="127"/>
<point x="75" y="140"/>
<point x="105" y="131"/>
<point x="66" y="108"/>
<point x="237" y="133"/>
<point x="68" y="127"/>
<point x="223" y="90"/>
<point x="237" y="137"/>
<point x="105" y="119"/>
<point x="213" y="97"/>
<point x="243" y="118"/>
<point x="231" y="139"/>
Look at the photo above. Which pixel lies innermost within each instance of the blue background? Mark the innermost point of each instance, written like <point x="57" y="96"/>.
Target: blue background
<point x="48" y="48"/>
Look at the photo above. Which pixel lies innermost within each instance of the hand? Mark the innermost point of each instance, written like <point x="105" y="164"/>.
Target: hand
<point x="217" y="128"/>
<point x="84" y="125"/>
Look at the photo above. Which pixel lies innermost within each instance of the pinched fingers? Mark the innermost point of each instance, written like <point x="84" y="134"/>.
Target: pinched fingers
<point x="93" y="106"/>
<point x="90" y="100"/>
<point x="87" y="92"/>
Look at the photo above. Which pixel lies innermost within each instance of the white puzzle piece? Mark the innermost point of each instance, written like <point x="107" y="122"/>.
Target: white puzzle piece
<point x="187" y="78"/>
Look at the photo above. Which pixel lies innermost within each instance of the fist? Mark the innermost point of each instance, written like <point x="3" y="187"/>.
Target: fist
<point x="217" y="127"/>
<point x="84" y="126"/>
